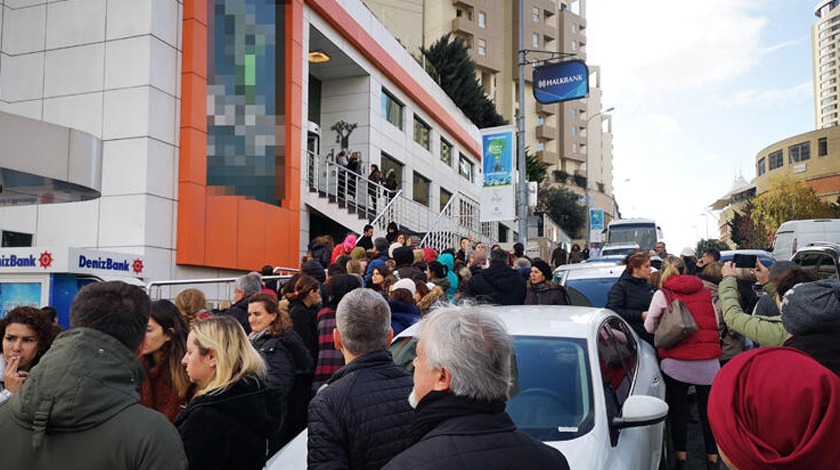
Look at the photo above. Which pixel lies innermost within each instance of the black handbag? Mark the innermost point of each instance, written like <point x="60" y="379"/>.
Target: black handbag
<point x="675" y="324"/>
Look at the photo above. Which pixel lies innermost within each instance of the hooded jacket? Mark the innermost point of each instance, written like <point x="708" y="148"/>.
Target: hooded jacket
<point x="230" y="429"/>
<point x="403" y="315"/>
<point x="497" y="284"/>
<point x="447" y="260"/>
<point x="80" y="409"/>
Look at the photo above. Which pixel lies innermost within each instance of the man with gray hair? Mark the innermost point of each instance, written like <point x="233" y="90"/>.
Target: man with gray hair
<point x="462" y="379"/>
<point x="243" y="288"/>
<point x="360" y="419"/>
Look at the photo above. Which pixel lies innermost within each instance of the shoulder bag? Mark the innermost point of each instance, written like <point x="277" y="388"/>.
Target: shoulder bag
<point x="675" y="324"/>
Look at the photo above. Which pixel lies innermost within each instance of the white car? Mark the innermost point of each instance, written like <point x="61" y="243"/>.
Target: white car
<point x="585" y="384"/>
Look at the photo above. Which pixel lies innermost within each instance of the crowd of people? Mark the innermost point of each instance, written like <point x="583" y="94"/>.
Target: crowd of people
<point x="745" y="416"/>
<point x="137" y="383"/>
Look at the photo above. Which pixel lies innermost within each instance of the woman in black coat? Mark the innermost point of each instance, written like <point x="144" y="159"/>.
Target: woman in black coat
<point x="229" y="421"/>
<point x="290" y="366"/>
<point x="304" y="303"/>
<point x="541" y="291"/>
<point x="630" y="296"/>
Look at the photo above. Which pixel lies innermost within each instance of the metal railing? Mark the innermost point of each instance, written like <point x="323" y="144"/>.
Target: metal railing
<point x="222" y="286"/>
<point x="349" y="189"/>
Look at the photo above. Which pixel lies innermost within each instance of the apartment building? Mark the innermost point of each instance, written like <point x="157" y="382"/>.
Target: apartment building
<point x="825" y="38"/>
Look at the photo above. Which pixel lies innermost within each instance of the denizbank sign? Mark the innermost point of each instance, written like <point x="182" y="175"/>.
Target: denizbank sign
<point x="40" y="260"/>
<point x="561" y="82"/>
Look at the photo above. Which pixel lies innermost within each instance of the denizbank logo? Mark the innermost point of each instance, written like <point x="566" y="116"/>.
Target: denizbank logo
<point x="561" y="82"/>
<point x="13" y="261"/>
<point x="108" y="264"/>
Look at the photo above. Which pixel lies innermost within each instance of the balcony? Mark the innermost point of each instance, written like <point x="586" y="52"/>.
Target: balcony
<point x="547" y="156"/>
<point x="546" y="132"/>
<point x="464" y="25"/>
<point x="547" y="109"/>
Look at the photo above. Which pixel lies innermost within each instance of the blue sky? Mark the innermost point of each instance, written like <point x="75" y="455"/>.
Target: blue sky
<point x="699" y="88"/>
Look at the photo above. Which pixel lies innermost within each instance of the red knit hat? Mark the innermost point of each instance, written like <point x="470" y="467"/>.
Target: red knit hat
<point x="776" y="408"/>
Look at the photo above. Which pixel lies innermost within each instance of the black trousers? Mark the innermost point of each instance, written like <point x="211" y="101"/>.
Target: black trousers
<point x="677" y="398"/>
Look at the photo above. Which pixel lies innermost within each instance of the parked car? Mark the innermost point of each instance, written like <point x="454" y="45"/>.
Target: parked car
<point x="589" y="284"/>
<point x="584" y="384"/>
<point x="795" y="234"/>
<point x="622" y="249"/>
<point x="820" y="257"/>
<point x="766" y="258"/>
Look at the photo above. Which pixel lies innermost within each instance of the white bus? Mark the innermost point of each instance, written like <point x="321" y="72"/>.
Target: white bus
<point x="643" y="232"/>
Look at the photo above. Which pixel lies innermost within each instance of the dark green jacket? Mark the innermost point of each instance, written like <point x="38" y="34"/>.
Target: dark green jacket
<point x="80" y="409"/>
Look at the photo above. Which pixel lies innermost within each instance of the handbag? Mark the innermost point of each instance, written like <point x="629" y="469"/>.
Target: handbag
<point x="675" y="324"/>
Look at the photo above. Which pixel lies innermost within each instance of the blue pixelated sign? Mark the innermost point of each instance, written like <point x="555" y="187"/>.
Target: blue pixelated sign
<point x="561" y="82"/>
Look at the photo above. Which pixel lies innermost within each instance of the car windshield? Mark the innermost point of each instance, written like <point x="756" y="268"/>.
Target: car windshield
<point x="590" y="292"/>
<point x="551" y="397"/>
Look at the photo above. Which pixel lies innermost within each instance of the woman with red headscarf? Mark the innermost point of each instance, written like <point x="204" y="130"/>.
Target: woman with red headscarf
<point x="343" y="248"/>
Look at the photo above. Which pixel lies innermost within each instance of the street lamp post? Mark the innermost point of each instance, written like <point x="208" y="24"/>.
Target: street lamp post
<point x="586" y="176"/>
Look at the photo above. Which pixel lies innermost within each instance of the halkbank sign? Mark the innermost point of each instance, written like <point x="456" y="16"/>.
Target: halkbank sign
<point x="561" y="82"/>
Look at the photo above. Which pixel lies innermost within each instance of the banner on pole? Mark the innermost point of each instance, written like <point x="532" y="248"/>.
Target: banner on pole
<point x="498" y="196"/>
<point x="561" y="82"/>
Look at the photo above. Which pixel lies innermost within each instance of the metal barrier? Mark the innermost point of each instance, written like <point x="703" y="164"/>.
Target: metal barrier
<point x="222" y="287"/>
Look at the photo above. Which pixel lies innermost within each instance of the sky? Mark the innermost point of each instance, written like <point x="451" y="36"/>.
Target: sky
<point x="699" y="88"/>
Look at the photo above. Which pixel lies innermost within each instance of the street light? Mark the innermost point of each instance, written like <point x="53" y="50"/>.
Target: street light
<point x="586" y="176"/>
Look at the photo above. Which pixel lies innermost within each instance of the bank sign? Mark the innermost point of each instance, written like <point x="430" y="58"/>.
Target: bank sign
<point x="561" y="82"/>
<point x="39" y="260"/>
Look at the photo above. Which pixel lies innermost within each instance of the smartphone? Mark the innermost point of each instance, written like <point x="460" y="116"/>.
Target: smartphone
<point x="744" y="261"/>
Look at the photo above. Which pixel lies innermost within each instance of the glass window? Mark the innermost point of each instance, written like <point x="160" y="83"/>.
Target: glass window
<point x="799" y="152"/>
<point x="617" y="357"/>
<point x="535" y="14"/>
<point x="421" y="188"/>
<point x="445" y="152"/>
<point x="822" y="147"/>
<point x="574" y="28"/>
<point x="445" y="197"/>
<point x="574" y="45"/>
<point x="482" y="47"/>
<point x="482" y="19"/>
<point x="819" y="263"/>
<point x="535" y="39"/>
<point x="392" y="110"/>
<point x="574" y="113"/>
<point x="465" y="167"/>
<point x="761" y="167"/>
<point x="422" y="133"/>
<point x="574" y="131"/>
<point x="540" y="120"/>
<point x="540" y="145"/>
<point x="776" y="160"/>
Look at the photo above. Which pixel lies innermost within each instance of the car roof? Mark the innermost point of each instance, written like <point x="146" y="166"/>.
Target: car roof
<point x="561" y="321"/>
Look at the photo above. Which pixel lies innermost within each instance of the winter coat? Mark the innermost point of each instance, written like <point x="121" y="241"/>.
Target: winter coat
<point x="766" y="331"/>
<point x="403" y="315"/>
<point x="821" y="345"/>
<point x="305" y="323"/>
<point x="157" y="393"/>
<point x="80" y="409"/>
<point x="731" y="343"/>
<point x="497" y="284"/>
<point x="239" y="310"/>
<point x="361" y="419"/>
<point x="425" y="303"/>
<point x="705" y="342"/>
<point x="629" y="297"/>
<point x="329" y="358"/>
<point x="230" y="429"/>
<point x="321" y="252"/>
<point x="547" y="293"/>
<point x="447" y="260"/>
<point x="468" y="434"/>
<point x="290" y="371"/>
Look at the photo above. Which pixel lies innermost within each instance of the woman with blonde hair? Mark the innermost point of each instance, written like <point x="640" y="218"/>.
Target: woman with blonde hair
<point x="228" y="423"/>
<point x="290" y="367"/>
<point x="692" y="361"/>
<point x="192" y="304"/>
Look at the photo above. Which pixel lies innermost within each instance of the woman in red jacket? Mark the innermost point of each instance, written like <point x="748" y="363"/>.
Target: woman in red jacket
<point x="693" y="361"/>
<point x="167" y="386"/>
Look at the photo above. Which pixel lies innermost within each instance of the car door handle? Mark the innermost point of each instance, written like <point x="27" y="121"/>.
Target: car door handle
<point x="657" y="379"/>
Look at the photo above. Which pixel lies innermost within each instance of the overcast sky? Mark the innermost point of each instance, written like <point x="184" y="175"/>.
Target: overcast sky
<point x="699" y="88"/>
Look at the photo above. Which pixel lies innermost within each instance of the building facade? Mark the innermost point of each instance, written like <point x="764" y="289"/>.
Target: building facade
<point x="214" y="118"/>
<point x="825" y="39"/>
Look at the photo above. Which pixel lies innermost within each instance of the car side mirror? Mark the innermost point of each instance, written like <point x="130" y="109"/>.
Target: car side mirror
<point x="641" y="410"/>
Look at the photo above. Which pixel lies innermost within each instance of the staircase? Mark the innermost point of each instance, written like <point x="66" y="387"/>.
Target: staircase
<point x="353" y="200"/>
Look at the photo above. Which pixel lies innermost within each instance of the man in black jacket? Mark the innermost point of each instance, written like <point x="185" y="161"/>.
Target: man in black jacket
<point x="361" y="418"/>
<point x="498" y="284"/>
<point x="462" y="376"/>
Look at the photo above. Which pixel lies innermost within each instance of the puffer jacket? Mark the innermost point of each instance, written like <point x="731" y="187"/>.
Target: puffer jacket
<point x="547" y="293"/>
<point x="83" y="396"/>
<point x="498" y="284"/>
<point x="629" y="297"/>
<point x="230" y="429"/>
<point x="766" y="331"/>
<point x="447" y="260"/>
<point x="362" y="418"/>
<point x="705" y="342"/>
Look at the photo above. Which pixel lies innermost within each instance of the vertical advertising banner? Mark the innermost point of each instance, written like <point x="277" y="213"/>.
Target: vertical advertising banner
<point x="498" y="195"/>
<point x="596" y="222"/>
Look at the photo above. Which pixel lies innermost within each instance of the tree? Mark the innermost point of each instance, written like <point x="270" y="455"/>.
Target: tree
<point x="450" y="65"/>
<point x="535" y="167"/>
<point x="564" y="207"/>
<point x="745" y="232"/>
<point x="788" y="199"/>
